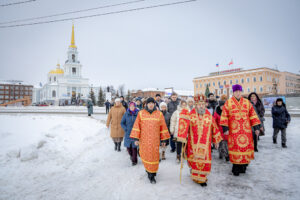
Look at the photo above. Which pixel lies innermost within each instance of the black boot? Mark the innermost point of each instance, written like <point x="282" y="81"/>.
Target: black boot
<point x="284" y="145"/>
<point x="203" y="184"/>
<point x="274" y="141"/>
<point x="119" y="146"/>
<point x="151" y="177"/>
<point x="116" y="146"/>
<point x="235" y="170"/>
<point x="227" y="158"/>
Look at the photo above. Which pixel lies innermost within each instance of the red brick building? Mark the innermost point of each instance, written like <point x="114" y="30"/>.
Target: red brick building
<point x="148" y="92"/>
<point x="13" y="90"/>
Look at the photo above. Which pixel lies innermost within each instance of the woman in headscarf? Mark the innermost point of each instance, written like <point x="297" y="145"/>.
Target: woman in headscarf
<point x="260" y="111"/>
<point x="114" y="122"/>
<point x="127" y="123"/>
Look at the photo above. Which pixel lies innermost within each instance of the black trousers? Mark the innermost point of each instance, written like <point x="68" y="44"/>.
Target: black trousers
<point x="178" y="147"/>
<point x="107" y="110"/>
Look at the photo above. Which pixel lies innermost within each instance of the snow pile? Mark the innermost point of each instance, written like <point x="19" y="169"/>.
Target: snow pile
<point x="67" y="157"/>
<point x="58" y="109"/>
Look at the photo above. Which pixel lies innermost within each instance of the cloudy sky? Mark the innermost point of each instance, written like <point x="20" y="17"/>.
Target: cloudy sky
<point x="160" y="47"/>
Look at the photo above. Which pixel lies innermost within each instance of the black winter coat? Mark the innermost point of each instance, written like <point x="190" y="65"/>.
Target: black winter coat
<point x="280" y="116"/>
<point x="172" y="106"/>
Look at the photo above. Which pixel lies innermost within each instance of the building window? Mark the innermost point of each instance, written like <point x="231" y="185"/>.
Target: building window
<point x="219" y="83"/>
<point x="261" y="89"/>
<point x="200" y="85"/>
<point x="236" y="81"/>
<point x="50" y="79"/>
<point x="53" y="93"/>
<point x="196" y="85"/>
<point x="260" y="79"/>
<point x="54" y="78"/>
<point x="254" y="79"/>
<point x="224" y="82"/>
<point x="254" y="89"/>
<point x="74" y="71"/>
<point x="242" y="80"/>
<point x="214" y="84"/>
<point x="248" y="80"/>
<point x="73" y="57"/>
<point x="248" y="89"/>
<point x="230" y="82"/>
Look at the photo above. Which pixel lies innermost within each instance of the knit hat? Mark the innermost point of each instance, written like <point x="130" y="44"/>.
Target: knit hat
<point x="237" y="87"/>
<point x="150" y="100"/>
<point x="162" y="104"/>
<point x="132" y="103"/>
<point x="118" y="99"/>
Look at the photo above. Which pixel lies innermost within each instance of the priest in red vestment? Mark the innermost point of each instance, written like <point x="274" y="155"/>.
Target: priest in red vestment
<point x="237" y="119"/>
<point x="197" y="130"/>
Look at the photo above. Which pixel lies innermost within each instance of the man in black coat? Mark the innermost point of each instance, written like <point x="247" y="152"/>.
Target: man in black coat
<point x="123" y="102"/>
<point x="172" y="107"/>
<point x="212" y="103"/>
<point x="281" y="118"/>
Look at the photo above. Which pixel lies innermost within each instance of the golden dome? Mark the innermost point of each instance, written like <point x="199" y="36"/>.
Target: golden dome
<point x="56" y="71"/>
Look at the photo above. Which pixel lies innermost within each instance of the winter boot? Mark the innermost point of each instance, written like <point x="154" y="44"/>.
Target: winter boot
<point x="203" y="184"/>
<point x="163" y="156"/>
<point x="284" y="145"/>
<point x="274" y="141"/>
<point x="151" y="177"/>
<point x="116" y="146"/>
<point x="178" y="159"/>
<point x="119" y="146"/>
<point x="227" y="158"/>
<point x="235" y="170"/>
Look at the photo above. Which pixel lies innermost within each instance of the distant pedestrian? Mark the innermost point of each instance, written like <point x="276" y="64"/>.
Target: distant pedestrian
<point x="107" y="106"/>
<point x="89" y="106"/>
<point x="281" y="119"/>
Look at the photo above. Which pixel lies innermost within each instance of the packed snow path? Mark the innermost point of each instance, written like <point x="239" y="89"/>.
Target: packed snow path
<point x="72" y="157"/>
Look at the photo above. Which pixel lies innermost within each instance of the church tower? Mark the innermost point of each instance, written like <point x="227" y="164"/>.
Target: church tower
<point x="72" y="65"/>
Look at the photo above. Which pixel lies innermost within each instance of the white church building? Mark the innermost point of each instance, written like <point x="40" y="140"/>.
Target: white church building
<point x="64" y="84"/>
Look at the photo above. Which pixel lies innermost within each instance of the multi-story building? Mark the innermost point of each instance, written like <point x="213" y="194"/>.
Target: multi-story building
<point x="11" y="90"/>
<point x="260" y="80"/>
<point x="291" y="83"/>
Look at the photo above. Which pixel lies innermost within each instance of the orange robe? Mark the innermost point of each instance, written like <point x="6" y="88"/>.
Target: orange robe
<point x="239" y="117"/>
<point x="199" y="131"/>
<point x="150" y="129"/>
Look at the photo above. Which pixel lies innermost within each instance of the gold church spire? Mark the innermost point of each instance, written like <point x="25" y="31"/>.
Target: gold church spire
<point x="73" y="38"/>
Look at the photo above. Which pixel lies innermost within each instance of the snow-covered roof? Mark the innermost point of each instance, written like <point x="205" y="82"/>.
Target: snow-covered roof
<point x="14" y="82"/>
<point x="151" y="89"/>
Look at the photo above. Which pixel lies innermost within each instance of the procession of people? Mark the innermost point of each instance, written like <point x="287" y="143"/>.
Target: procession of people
<point x="193" y="127"/>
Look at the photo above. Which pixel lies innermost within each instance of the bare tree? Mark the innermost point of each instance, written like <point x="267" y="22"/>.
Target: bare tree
<point x="121" y="90"/>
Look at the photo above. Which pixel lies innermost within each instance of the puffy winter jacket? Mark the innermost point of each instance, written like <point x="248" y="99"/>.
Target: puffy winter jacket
<point x="280" y="116"/>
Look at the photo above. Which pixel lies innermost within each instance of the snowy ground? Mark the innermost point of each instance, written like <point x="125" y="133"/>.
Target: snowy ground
<point x="72" y="157"/>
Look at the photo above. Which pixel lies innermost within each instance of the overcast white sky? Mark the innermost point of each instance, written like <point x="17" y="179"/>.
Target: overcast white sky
<point x="161" y="47"/>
